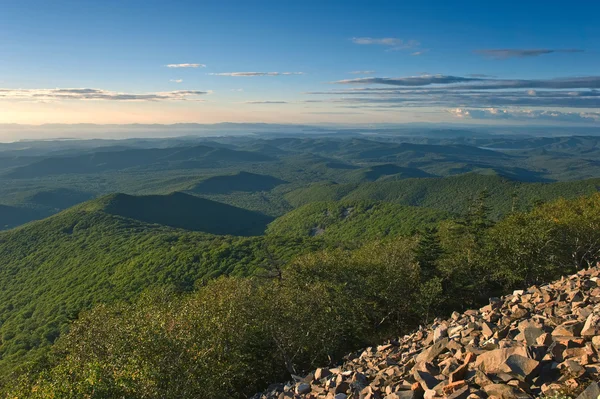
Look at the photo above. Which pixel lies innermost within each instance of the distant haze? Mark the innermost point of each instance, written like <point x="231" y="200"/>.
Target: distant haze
<point x="16" y="132"/>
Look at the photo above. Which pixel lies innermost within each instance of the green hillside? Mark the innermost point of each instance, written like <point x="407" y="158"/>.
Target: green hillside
<point x="233" y="337"/>
<point x="184" y="211"/>
<point x="154" y="158"/>
<point x="451" y="194"/>
<point x="242" y="181"/>
<point x="85" y="256"/>
<point x="387" y="170"/>
<point x="352" y="220"/>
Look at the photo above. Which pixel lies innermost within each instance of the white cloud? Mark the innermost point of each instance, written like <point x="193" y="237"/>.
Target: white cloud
<point x="362" y="72"/>
<point x="186" y="66"/>
<point x="238" y="90"/>
<point x="525" y="115"/>
<point x="250" y="74"/>
<point x="176" y="80"/>
<point x="265" y="102"/>
<point x="501" y="54"/>
<point x="392" y="42"/>
<point x="97" y="94"/>
<point x="386" y="41"/>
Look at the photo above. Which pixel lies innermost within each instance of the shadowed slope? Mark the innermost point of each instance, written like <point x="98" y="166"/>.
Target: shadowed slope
<point x="186" y="212"/>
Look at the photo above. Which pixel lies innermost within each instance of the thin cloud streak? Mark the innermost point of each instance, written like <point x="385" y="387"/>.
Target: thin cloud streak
<point x="474" y="83"/>
<point x="97" y="94"/>
<point x="252" y="74"/>
<point x="186" y="66"/>
<point x="265" y="102"/>
<point x="525" y="115"/>
<point x="393" y="43"/>
<point x="362" y="72"/>
<point x="502" y="54"/>
<point x="422" y="80"/>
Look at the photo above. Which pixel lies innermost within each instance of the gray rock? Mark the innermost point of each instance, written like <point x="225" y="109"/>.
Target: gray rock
<point x="591" y="392"/>
<point x="303" y="388"/>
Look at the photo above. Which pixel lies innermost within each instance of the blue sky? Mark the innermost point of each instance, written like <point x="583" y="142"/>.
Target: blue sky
<point x="479" y="62"/>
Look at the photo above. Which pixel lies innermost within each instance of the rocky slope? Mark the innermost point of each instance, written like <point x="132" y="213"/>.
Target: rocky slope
<point x="541" y="341"/>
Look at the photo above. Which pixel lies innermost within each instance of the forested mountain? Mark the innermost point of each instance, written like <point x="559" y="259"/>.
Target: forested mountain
<point x="228" y="234"/>
<point x="90" y="254"/>
<point x="265" y="174"/>
<point x="355" y="220"/>
<point x="183" y="211"/>
<point x="97" y="162"/>
<point x="231" y="337"/>
<point x="450" y="194"/>
<point x="242" y="181"/>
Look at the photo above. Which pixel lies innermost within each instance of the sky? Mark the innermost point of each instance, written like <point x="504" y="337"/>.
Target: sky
<point x="328" y="61"/>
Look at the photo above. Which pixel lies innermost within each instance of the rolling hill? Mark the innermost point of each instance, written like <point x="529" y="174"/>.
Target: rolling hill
<point x="184" y="211"/>
<point x="387" y="171"/>
<point x="354" y="220"/>
<point x="451" y="194"/>
<point x="93" y="254"/>
<point x="242" y="181"/>
<point x="166" y="158"/>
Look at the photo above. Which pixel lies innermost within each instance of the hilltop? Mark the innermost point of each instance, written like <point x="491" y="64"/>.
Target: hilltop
<point x="184" y="211"/>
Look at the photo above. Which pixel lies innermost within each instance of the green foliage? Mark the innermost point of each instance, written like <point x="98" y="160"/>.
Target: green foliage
<point x="85" y="257"/>
<point x="348" y="221"/>
<point x="242" y="181"/>
<point x="553" y="239"/>
<point x="319" y="192"/>
<point x="451" y="194"/>
<point x="233" y="336"/>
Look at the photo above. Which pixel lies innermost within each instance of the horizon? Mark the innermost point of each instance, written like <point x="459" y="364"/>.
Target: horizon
<point x="155" y="62"/>
<point x="20" y="133"/>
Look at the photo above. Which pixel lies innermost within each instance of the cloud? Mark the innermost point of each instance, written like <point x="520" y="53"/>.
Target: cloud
<point x="525" y="115"/>
<point x="420" y="52"/>
<point x="480" y="75"/>
<point x="362" y="72"/>
<point x="384" y="41"/>
<point x="186" y="66"/>
<point x="331" y="113"/>
<point x="266" y="102"/>
<point x="463" y="95"/>
<point x="477" y="83"/>
<point x="176" y="80"/>
<point x="521" y="53"/>
<point x="251" y="74"/>
<point x="392" y="42"/>
<point x="422" y="80"/>
<point x="96" y="94"/>
<point x="475" y="96"/>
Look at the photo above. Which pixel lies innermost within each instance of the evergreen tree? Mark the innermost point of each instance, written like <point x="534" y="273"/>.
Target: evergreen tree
<point x="428" y="252"/>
